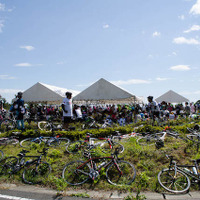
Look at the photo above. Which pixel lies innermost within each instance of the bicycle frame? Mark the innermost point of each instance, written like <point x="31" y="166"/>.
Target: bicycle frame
<point x="181" y="168"/>
<point x="92" y="163"/>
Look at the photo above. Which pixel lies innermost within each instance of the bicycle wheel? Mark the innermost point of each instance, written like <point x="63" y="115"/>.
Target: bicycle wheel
<point x="144" y="141"/>
<point x="75" y="173"/>
<point x="7" y="125"/>
<point x="35" y="174"/>
<point x="8" y="164"/>
<point x="45" y="126"/>
<point x="110" y="147"/>
<point x="194" y="138"/>
<point x="26" y="143"/>
<point x="175" y="183"/>
<point x="122" y="173"/>
<point x="64" y="141"/>
<point x="12" y="141"/>
<point x="76" y="147"/>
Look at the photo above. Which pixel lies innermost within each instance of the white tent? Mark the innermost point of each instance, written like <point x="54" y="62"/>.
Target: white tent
<point x="103" y="91"/>
<point x="43" y="93"/>
<point x="171" y="97"/>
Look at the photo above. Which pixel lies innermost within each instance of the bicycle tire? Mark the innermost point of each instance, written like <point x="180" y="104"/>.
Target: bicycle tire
<point x="35" y="174"/>
<point x="26" y="143"/>
<point x="64" y="141"/>
<point x="76" y="147"/>
<point x="12" y="141"/>
<point x="74" y="176"/>
<point x="44" y="126"/>
<point x="111" y="147"/>
<point x="194" y="138"/>
<point x="7" y="125"/>
<point x="7" y="165"/>
<point x="175" y="184"/>
<point x="126" y="177"/>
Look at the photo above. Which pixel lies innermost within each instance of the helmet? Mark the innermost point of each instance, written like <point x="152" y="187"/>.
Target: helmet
<point x="19" y="94"/>
<point x="150" y="97"/>
<point x="68" y="93"/>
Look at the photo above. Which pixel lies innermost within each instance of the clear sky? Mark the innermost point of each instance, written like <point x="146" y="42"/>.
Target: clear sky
<point x="147" y="47"/>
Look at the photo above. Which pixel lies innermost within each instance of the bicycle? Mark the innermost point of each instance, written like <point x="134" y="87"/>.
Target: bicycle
<point x="54" y="141"/>
<point x="35" y="170"/>
<point x="194" y="135"/>
<point x="9" y="141"/>
<point x="106" y="144"/>
<point x="49" y="125"/>
<point x="9" y="122"/>
<point x="118" y="172"/>
<point x="176" y="179"/>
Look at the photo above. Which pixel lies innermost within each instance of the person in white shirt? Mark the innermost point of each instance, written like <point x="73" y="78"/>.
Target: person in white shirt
<point x="67" y="109"/>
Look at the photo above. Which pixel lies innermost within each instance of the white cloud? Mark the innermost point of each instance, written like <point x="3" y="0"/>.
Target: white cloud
<point x="1" y="25"/>
<point x="195" y="10"/>
<point x="156" y="34"/>
<point x="23" y="65"/>
<point x="182" y="17"/>
<point x="193" y="28"/>
<point x="180" y="68"/>
<point x="131" y="82"/>
<point x="183" y="40"/>
<point x="106" y="26"/>
<point x="60" y="63"/>
<point x="6" y="77"/>
<point x="28" y="48"/>
<point x="9" y="91"/>
<point x="162" y="79"/>
<point x="2" y="7"/>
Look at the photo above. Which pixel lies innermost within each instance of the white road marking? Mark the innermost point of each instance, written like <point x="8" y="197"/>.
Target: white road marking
<point x="13" y="197"/>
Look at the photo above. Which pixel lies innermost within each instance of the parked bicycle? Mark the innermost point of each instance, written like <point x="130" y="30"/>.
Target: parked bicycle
<point x="118" y="172"/>
<point x="9" y="140"/>
<point x="50" y="125"/>
<point x="54" y="141"/>
<point x="107" y="145"/>
<point x="176" y="178"/>
<point x="8" y="123"/>
<point x="35" y="170"/>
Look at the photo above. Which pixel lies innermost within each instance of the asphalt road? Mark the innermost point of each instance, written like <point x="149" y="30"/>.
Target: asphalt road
<point x="24" y="192"/>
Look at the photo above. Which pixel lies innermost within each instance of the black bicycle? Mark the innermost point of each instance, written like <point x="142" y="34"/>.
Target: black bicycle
<point x="35" y="170"/>
<point x="176" y="178"/>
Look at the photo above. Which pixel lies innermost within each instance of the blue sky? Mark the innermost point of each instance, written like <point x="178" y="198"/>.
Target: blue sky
<point x="146" y="47"/>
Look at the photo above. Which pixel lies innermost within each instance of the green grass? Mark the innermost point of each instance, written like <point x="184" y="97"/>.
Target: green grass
<point x="147" y="160"/>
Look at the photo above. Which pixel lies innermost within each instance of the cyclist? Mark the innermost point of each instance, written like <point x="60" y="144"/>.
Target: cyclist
<point x="153" y="109"/>
<point x="67" y="109"/>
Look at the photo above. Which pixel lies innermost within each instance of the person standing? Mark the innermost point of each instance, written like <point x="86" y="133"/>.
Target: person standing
<point x="19" y="111"/>
<point x="67" y="110"/>
<point x="153" y="109"/>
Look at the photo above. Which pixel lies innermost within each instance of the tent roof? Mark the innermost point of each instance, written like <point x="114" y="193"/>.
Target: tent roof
<point x="103" y="90"/>
<point x="41" y="92"/>
<point x="171" y="97"/>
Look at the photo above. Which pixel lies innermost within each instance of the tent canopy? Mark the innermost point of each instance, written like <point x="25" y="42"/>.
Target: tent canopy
<point x="103" y="91"/>
<point x="43" y="93"/>
<point x="171" y="97"/>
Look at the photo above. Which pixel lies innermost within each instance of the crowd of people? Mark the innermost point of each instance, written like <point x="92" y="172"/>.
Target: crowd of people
<point x="120" y="113"/>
